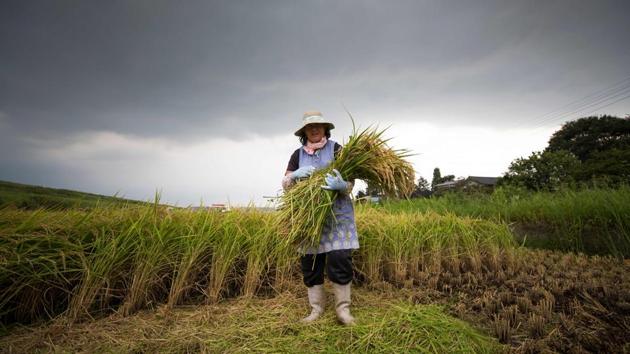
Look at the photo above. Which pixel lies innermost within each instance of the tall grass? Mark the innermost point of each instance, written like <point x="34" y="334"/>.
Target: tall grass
<point x="112" y="259"/>
<point x="397" y="247"/>
<point x="194" y="252"/>
<point x="595" y="221"/>
<point x="107" y="262"/>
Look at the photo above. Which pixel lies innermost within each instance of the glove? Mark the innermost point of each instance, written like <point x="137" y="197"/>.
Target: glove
<point x="302" y="172"/>
<point x="335" y="183"/>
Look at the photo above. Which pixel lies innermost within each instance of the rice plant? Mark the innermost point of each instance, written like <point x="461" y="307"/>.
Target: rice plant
<point x="89" y="262"/>
<point x="111" y="260"/>
<point x="152" y="264"/>
<point x="195" y="245"/>
<point x="366" y="156"/>
<point x="592" y="220"/>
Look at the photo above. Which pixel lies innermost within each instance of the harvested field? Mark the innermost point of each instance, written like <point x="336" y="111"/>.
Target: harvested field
<point x="535" y="301"/>
<point x="261" y="325"/>
<point x="146" y="280"/>
<point x="540" y="301"/>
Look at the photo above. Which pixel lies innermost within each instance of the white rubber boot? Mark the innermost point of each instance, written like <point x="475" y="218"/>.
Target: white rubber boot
<point x="342" y="303"/>
<point x="317" y="300"/>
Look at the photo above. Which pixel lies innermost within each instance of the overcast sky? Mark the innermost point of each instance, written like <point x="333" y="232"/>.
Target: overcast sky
<point x="200" y="99"/>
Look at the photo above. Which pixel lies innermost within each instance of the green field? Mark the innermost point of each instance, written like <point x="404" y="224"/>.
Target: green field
<point x="33" y="197"/>
<point x="594" y="220"/>
<point x="444" y="275"/>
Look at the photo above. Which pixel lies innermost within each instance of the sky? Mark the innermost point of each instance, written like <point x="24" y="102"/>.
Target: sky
<point x="200" y="99"/>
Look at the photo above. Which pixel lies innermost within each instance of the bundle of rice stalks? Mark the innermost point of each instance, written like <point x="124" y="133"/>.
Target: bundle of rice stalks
<point x="306" y="206"/>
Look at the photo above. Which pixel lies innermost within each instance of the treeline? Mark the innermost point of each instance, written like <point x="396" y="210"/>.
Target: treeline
<point x="587" y="151"/>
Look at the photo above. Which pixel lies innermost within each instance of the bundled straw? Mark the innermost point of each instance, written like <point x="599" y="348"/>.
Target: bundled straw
<point x="366" y="156"/>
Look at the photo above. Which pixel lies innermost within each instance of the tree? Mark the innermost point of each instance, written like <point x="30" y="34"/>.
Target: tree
<point x="447" y="178"/>
<point x="423" y="184"/>
<point x="437" y="176"/>
<point x="543" y="170"/>
<point x="602" y="144"/>
<point x="422" y="188"/>
<point x="589" y="135"/>
<point x="611" y="166"/>
<point x="587" y="149"/>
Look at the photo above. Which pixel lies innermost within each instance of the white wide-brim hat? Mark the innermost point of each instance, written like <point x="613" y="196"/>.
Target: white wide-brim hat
<point x="312" y="117"/>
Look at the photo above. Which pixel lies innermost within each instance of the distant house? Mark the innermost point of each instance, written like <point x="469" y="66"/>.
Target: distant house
<point x="446" y="186"/>
<point x="472" y="183"/>
<point x="219" y="207"/>
<point x="212" y="207"/>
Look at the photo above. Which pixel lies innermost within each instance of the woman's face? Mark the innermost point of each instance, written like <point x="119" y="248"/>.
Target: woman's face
<point x="315" y="132"/>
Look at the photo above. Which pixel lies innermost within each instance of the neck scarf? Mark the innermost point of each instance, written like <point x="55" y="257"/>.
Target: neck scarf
<point x="311" y="147"/>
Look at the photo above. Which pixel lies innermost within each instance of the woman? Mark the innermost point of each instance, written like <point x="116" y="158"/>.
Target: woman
<point x="339" y="234"/>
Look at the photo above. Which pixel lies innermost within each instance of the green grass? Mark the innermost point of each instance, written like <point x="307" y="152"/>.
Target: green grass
<point x="32" y="197"/>
<point x="594" y="221"/>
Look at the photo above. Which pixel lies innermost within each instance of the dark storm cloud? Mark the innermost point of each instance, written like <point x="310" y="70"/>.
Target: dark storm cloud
<point x="226" y="68"/>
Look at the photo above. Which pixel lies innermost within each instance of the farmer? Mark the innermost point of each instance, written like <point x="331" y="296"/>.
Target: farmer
<point x="339" y="235"/>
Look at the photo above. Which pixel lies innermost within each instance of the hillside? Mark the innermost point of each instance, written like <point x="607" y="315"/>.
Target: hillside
<point x="26" y="196"/>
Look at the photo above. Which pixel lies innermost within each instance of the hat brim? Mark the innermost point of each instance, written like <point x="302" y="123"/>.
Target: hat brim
<point x="301" y="130"/>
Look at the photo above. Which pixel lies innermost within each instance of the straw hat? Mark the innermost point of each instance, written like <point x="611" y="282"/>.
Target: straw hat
<point x="311" y="117"/>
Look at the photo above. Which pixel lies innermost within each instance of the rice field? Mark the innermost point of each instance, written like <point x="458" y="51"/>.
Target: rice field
<point x="590" y="220"/>
<point x="147" y="279"/>
<point x="88" y="262"/>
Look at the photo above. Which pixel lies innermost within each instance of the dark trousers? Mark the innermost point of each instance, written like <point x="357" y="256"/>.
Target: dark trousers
<point x="338" y="265"/>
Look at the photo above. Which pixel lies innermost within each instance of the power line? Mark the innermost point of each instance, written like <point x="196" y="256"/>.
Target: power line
<point x="588" y="98"/>
<point x="586" y="105"/>
<point x="581" y="103"/>
<point x="602" y="100"/>
<point x="610" y="104"/>
<point x="627" y="96"/>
